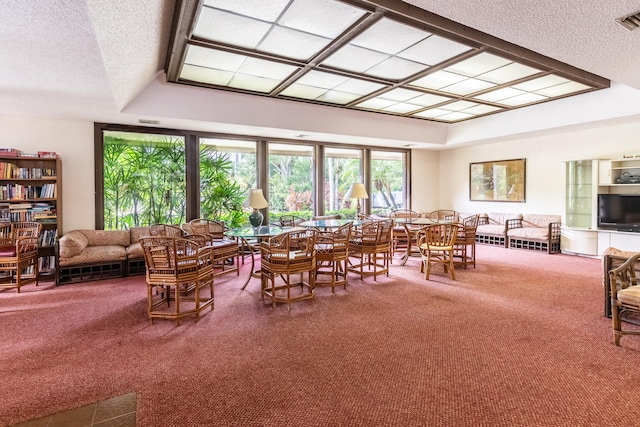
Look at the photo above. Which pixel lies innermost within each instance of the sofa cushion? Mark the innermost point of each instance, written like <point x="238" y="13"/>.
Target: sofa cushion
<point x="95" y="255"/>
<point x="493" y="229"/>
<point x="72" y="243"/>
<point x="135" y="250"/>
<point x="137" y="232"/>
<point x="107" y="237"/>
<point x="536" y="220"/>
<point x="530" y="233"/>
<point x="502" y="217"/>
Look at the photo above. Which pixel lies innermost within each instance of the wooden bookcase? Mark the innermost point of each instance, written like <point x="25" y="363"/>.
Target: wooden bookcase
<point x="31" y="190"/>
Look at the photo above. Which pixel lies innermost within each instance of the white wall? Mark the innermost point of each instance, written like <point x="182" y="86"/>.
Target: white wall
<point x="73" y="141"/>
<point x="545" y="174"/>
<point x="425" y="181"/>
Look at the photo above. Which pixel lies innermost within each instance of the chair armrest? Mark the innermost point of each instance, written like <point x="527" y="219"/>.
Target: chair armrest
<point x="623" y="275"/>
<point x="555" y="230"/>
<point x="513" y="223"/>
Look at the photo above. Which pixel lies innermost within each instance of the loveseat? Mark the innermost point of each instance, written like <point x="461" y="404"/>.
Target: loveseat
<point x="85" y="255"/>
<point x="492" y="228"/>
<point x="536" y="232"/>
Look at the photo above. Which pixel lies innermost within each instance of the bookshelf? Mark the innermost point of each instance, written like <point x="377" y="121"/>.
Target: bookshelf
<point x="31" y="190"/>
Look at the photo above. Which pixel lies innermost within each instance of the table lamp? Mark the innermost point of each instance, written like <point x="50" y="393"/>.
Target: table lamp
<point x="257" y="201"/>
<point x="357" y="191"/>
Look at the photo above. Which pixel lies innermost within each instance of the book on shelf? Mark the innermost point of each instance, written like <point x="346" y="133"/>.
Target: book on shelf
<point x="48" y="154"/>
<point x="8" y="152"/>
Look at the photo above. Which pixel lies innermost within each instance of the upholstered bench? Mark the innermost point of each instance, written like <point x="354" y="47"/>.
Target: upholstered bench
<point x="492" y="228"/>
<point x="535" y="232"/>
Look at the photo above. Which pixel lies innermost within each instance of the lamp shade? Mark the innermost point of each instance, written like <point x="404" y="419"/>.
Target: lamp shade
<point x="257" y="200"/>
<point x="357" y="191"/>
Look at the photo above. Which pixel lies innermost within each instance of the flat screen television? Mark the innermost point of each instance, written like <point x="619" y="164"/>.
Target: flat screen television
<point x="618" y="211"/>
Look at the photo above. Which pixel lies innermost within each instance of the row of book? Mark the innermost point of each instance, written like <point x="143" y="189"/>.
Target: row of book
<point x="48" y="237"/>
<point x="11" y="171"/>
<point x="38" y="211"/>
<point x="12" y="152"/>
<point x="27" y="192"/>
<point x="46" y="265"/>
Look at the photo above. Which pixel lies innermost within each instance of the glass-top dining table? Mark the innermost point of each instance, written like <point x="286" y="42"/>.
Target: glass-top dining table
<point x="245" y="234"/>
<point x="327" y="224"/>
<point x="412" y="228"/>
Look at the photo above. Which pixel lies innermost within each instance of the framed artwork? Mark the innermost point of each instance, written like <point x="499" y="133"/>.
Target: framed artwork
<point x="499" y="181"/>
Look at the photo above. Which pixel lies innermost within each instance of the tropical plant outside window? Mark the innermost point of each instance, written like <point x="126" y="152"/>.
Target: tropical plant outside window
<point x="387" y="181"/>
<point x="290" y="180"/>
<point x="341" y="169"/>
<point x="227" y="172"/>
<point x="144" y="179"/>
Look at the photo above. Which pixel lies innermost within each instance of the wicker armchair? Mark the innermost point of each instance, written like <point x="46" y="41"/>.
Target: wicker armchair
<point x="226" y="250"/>
<point x="332" y="255"/>
<point x="625" y="296"/>
<point x="179" y="271"/>
<point x="371" y="245"/>
<point x="464" y="250"/>
<point x="436" y="243"/>
<point x="402" y="238"/>
<point x="166" y="230"/>
<point x="442" y="215"/>
<point x="290" y="220"/>
<point x="288" y="254"/>
<point x="19" y="254"/>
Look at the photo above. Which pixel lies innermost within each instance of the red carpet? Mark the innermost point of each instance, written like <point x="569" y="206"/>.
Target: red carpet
<point x="519" y="341"/>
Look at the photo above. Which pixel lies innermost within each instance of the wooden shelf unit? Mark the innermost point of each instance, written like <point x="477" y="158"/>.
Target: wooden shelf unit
<point x="31" y="190"/>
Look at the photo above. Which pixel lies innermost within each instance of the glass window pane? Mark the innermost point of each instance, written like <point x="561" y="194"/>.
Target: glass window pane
<point x="144" y="179"/>
<point x="387" y="181"/>
<point x="341" y="169"/>
<point x="227" y="172"/>
<point x="290" y="180"/>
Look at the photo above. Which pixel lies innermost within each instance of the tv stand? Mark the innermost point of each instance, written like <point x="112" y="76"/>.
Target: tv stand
<point x="632" y="228"/>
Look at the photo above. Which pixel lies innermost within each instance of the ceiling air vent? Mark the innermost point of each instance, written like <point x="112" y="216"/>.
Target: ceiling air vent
<point x="630" y="22"/>
<point x="148" y="122"/>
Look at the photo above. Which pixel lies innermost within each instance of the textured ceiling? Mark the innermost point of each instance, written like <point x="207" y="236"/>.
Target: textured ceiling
<point x="89" y="59"/>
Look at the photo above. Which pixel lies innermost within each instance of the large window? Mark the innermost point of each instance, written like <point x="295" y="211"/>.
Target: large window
<point x="227" y="172"/>
<point x="290" y="180"/>
<point x="144" y="179"/>
<point x="388" y="172"/>
<point x="147" y="175"/>
<point x="342" y="167"/>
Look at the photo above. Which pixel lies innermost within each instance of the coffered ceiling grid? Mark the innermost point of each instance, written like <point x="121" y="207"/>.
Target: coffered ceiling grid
<point x="385" y="57"/>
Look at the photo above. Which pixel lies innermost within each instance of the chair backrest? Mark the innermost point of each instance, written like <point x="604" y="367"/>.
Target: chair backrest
<point x="165" y="230"/>
<point x="321" y="217"/>
<point x="404" y="213"/>
<point x="25" y="229"/>
<point x="338" y="238"/>
<point x="166" y="255"/>
<point x="443" y="215"/>
<point x="290" y="220"/>
<point x="289" y="248"/>
<point x="212" y="227"/>
<point x="437" y="236"/>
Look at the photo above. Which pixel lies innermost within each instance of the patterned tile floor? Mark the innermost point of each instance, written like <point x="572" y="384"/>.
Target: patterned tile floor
<point x="118" y="411"/>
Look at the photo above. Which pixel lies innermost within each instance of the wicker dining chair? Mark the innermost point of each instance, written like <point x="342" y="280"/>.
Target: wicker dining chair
<point x="332" y="256"/>
<point x="19" y="254"/>
<point x="179" y="277"/>
<point x="625" y="297"/>
<point x="402" y="238"/>
<point x="370" y="244"/>
<point x="464" y="250"/>
<point x="226" y="250"/>
<point x="442" y="215"/>
<point x="284" y="257"/>
<point x="166" y="230"/>
<point x="290" y="220"/>
<point x="436" y="243"/>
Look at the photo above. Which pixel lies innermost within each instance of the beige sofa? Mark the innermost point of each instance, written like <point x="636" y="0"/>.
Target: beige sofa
<point x="492" y="228"/>
<point x="84" y="255"/>
<point x="536" y="232"/>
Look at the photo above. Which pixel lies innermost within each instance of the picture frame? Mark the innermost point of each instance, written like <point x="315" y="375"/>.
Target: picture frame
<point x="498" y="181"/>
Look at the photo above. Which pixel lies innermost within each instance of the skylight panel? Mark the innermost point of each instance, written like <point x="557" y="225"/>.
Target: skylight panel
<point x="206" y="75"/>
<point x="479" y="64"/>
<point x="361" y="87"/>
<point x="253" y="83"/>
<point x="402" y="108"/>
<point x="264" y="10"/>
<point x="563" y="89"/>
<point x="212" y="58"/>
<point x="324" y="18"/>
<point x="523" y="99"/>
<point x="298" y="90"/>
<point x="395" y="69"/>
<point x="320" y="79"/>
<point x="223" y="27"/>
<point x="508" y="73"/>
<point x="468" y="86"/>
<point x="401" y="94"/>
<point x="354" y="58"/>
<point x="433" y="50"/>
<point x="338" y="97"/>
<point x="499" y="94"/>
<point x="540" y="83"/>
<point x="376" y="103"/>
<point x="438" y="80"/>
<point x="389" y="36"/>
<point x="292" y="44"/>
